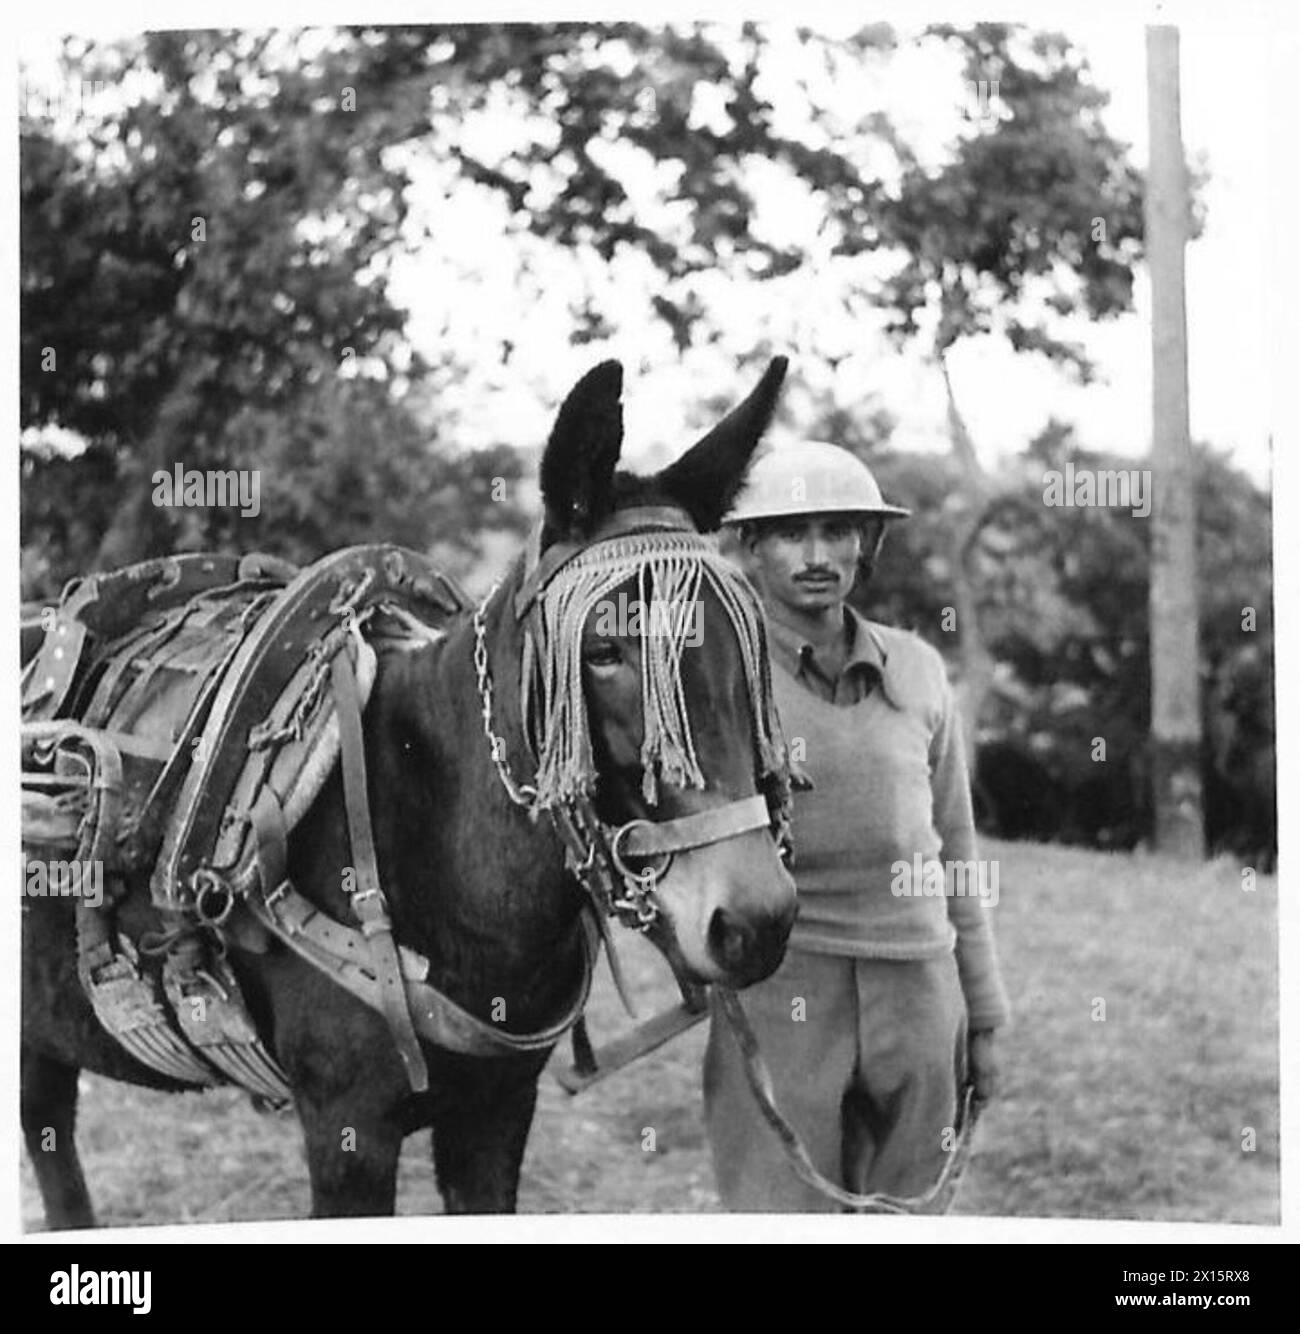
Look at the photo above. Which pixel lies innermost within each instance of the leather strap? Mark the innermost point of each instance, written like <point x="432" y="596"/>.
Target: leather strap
<point x="125" y="708"/>
<point x="50" y="674"/>
<point x="591" y="1065"/>
<point x="587" y="857"/>
<point x="646" y="839"/>
<point x="113" y="609"/>
<point x="271" y="838"/>
<point x="97" y="706"/>
<point x="104" y="800"/>
<point x="126" y="1004"/>
<point x="144" y="839"/>
<point x="368" y="897"/>
<point x="343" y="953"/>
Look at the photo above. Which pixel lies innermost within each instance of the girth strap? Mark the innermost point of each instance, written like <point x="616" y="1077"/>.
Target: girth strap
<point x="343" y="954"/>
<point x="368" y="897"/>
<point x="646" y="839"/>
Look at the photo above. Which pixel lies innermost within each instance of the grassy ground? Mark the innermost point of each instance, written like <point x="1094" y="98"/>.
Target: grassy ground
<point x="1139" y="1115"/>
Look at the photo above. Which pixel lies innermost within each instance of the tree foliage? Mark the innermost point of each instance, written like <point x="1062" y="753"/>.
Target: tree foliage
<point x="214" y="241"/>
<point x="208" y="246"/>
<point x="1037" y="215"/>
<point x="1063" y="598"/>
<point x="211" y="248"/>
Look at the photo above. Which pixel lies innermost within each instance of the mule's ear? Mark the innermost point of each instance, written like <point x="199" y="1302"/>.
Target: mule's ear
<point x="577" y="472"/>
<point x="705" y="480"/>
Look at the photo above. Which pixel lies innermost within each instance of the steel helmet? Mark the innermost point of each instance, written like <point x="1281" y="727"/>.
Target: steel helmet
<point x="809" y="477"/>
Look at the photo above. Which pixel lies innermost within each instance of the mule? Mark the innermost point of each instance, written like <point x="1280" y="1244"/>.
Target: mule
<point x="473" y="883"/>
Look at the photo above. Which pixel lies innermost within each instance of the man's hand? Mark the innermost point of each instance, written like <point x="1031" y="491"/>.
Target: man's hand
<point x="982" y="1063"/>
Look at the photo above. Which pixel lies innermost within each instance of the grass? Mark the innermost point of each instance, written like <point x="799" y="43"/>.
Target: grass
<point x="1140" y="1114"/>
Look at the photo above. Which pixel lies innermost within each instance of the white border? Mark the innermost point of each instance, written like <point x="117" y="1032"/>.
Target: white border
<point x="1277" y="21"/>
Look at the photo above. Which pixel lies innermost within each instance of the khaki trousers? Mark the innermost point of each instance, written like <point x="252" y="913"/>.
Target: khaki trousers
<point x="867" y="1057"/>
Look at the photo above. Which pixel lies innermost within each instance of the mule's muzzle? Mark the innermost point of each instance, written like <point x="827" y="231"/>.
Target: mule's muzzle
<point x="748" y="949"/>
<point x="726" y="910"/>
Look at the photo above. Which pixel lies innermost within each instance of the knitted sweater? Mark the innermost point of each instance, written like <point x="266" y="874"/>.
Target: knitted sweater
<point x="890" y="789"/>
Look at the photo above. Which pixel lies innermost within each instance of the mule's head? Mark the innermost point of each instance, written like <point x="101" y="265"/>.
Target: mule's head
<point x="674" y="692"/>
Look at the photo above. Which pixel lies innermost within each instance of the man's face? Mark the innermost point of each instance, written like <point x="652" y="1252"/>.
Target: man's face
<point x="808" y="563"/>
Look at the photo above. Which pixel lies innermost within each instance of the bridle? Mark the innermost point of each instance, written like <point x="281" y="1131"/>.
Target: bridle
<point x="598" y="854"/>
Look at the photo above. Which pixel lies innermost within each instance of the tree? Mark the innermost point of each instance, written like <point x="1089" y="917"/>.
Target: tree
<point x="289" y="148"/>
<point x="1037" y="214"/>
<point x="210" y="247"/>
<point x="216" y="245"/>
<point x="1063" y="606"/>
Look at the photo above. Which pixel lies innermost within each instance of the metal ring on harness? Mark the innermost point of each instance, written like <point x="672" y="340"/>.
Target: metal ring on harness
<point x="616" y="856"/>
<point x="639" y="899"/>
<point x="207" y="883"/>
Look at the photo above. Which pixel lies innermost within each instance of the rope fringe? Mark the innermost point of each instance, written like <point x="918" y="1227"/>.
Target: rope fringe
<point x="671" y="570"/>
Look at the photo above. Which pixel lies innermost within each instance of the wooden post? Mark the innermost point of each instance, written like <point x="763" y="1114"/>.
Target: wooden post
<point x="1175" y="687"/>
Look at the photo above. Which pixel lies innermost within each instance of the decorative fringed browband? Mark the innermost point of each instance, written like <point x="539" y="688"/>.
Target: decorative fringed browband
<point x="671" y="569"/>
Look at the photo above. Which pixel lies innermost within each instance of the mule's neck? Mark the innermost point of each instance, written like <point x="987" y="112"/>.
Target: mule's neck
<point x="484" y="892"/>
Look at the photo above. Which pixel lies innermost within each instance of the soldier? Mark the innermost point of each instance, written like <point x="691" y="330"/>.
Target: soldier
<point x="888" y="997"/>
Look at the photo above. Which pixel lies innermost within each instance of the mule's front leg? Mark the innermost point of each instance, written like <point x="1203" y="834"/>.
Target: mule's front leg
<point x="483" y="1111"/>
<point x="349" y="1089"/>
<point x="48" y="1109"/>
<point x="352" y="1161"/>
<point x="352" y="1132"/>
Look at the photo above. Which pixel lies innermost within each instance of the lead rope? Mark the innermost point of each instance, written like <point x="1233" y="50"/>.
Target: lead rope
<point x="760" y="1083"/>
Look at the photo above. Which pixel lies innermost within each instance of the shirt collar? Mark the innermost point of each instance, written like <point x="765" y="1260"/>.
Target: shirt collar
<point x="865" y="646"/>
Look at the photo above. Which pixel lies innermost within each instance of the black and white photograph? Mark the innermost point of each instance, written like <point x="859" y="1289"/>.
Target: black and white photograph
<point x="664" y="617"/>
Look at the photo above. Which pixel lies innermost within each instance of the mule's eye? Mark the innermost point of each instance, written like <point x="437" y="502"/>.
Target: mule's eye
<point x="602" y="655"/>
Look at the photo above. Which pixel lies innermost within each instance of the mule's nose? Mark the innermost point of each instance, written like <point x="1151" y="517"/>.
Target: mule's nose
<point x="731" y="940"/>
<point x="747" y="953"/>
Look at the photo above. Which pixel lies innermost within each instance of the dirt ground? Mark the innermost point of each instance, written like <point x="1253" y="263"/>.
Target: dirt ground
<point x="1145" y="1114"/>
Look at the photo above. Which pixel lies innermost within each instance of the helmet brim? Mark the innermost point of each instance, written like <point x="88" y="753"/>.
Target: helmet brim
<point x="765" y="512"/>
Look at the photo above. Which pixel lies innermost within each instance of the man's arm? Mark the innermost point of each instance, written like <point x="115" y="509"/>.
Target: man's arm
<point x="977" y="960"/>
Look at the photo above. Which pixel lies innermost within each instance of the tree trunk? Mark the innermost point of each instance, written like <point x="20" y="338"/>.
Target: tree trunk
<point x="1175" y="688"/>
<point x="976" y="661"/>
<point x="140" y="529"/>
